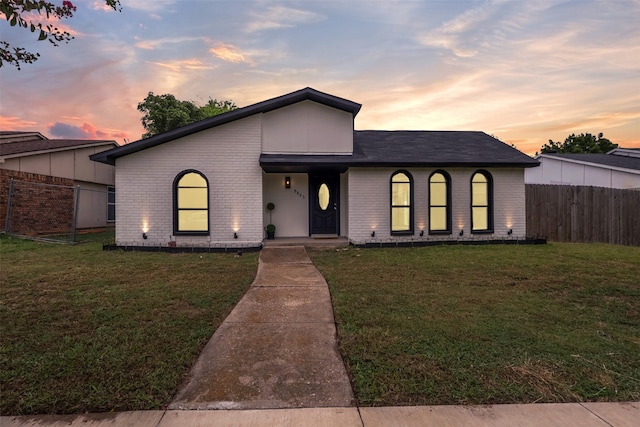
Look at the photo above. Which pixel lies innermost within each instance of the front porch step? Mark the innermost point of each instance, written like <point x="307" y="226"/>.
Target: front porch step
<point x="309" y="242"/>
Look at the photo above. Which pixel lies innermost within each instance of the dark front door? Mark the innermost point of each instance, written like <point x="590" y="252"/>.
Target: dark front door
<point x="324" y="200"/>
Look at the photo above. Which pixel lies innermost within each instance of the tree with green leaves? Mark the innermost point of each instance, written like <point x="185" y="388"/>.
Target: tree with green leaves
<point x="214" y="107"/>
<point x="162" y="113"/>
<point x="19" y="13"/>
<point x="583" y="143"/>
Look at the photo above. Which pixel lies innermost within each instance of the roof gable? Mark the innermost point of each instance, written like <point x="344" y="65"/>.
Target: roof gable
<point x="308" y="93"/>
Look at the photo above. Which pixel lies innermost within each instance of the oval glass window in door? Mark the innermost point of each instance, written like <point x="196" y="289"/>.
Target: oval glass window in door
<point x="323" y="197"/>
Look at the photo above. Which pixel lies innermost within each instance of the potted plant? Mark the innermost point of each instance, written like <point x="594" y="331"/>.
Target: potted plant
<point x="270" y="228"/>
<point x="271" y="231"/>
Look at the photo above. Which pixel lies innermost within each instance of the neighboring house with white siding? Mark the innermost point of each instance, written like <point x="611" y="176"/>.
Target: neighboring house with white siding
<point x="619" y="168"/>
<point x="206" y="185"/>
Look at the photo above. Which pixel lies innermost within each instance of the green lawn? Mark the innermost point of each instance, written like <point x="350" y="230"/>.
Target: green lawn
<point x="488" y="324"/>
<point x="87" y="330"/>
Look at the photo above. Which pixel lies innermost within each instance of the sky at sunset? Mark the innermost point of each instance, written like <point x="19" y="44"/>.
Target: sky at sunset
<point x="523" y="71"/>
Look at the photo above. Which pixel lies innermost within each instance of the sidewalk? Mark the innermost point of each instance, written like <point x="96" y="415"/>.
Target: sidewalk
<point x="533" y="415"/>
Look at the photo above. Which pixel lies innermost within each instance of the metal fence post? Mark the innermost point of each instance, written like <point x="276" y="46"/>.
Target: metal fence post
<point x="76" y="200"/>
<point x="7" y="216"/>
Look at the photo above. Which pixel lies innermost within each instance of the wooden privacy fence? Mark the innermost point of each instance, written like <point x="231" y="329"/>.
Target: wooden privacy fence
<point x="564" y="213"/>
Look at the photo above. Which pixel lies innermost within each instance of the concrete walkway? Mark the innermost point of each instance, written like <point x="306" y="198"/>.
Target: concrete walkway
<point x="277" y="348"/>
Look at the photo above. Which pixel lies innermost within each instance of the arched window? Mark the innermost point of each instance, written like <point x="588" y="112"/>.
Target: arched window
<point x="191" y="203"/>
<point x="481" y="202"/>
<point x="439" y="203"/>
<point x="401" y="203"/>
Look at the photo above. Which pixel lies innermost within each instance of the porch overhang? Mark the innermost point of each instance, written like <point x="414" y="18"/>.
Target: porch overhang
<point x="304" y="163"/>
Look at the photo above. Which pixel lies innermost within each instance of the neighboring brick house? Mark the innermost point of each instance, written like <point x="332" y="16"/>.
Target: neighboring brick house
<point x="33" y="158"/>
<point x="207" y="184"/>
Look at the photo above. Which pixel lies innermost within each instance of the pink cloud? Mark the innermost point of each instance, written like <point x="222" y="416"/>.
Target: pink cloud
<point x="15" y="123"/>
<point x="86" y="131"/>
<point x="53" y="21"/>
<point x="101" y="5"/>
<point x="229" y="53"/>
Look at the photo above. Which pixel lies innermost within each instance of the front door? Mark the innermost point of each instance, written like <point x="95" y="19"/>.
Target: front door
<point x="324" y="200"/>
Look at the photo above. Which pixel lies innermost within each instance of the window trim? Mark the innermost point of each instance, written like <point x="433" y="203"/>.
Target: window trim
<point x="447" y="179"/>
<point x="489" y="206"/>
<point x="111" y="189"/>
<point x="176" y="231"/>
<point x="411" y="205"/>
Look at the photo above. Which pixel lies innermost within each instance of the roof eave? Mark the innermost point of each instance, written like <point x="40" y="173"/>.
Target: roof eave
<point x="446" y="164"/>
<point x="59" y="149"/>
<point x="592" y="164"/>
<point x="11" y="135"/>
<point x="269" y="163"/>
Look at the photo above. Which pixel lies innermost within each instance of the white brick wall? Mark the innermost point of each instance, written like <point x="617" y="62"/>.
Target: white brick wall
<point x="369" y="204"/>
<point x="227" y="155"/>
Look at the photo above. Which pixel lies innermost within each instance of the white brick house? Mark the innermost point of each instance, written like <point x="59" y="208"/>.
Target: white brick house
<point x="206" y="185"/>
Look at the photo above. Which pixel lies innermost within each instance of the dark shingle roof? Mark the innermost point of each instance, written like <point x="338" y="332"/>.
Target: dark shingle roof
<point x="31" y="146"/>
<point x="625" y="162"/>
<point x="435" y="148"/>
<point x="371" y="148"/>
<point x="409" y="148"/>
<point x="308" y="93"/>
